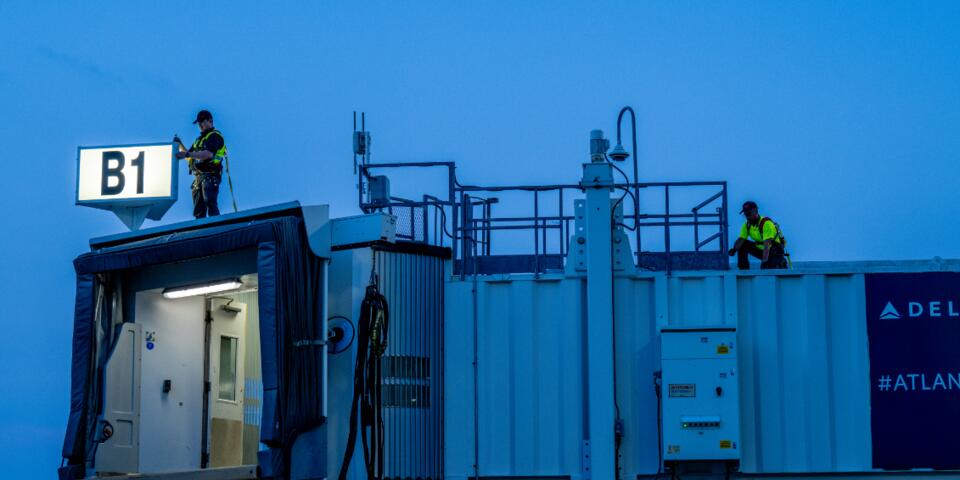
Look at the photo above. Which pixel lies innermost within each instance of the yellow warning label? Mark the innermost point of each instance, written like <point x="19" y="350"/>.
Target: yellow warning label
<point x="723" y="349"/>
<point x="726" y="444"/>
<point x="673" y="449"/>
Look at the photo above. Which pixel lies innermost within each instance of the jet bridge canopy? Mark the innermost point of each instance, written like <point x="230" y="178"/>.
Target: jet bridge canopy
<point x="291" y="282"/>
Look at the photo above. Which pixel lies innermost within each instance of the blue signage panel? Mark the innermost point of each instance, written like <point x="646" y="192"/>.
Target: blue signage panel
<point x="913" y="324"/>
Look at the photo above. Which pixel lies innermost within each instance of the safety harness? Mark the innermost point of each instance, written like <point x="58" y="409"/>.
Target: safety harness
<point x="779" y="238"/>
<point x="220" y="158"/>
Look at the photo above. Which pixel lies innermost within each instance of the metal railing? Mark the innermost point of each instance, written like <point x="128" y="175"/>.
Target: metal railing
<point x="465" y="218"/>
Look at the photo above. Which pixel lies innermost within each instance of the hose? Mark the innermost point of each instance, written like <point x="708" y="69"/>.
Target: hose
<point x="367" y="401"/>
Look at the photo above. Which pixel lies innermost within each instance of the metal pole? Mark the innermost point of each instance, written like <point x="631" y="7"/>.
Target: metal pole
<point x="666" y="228"/>
<point x="543" y="236"/>
<point x="563" y="240"/>
<point x="696" y="231"/>
<point x="452" y="194"/>
<point x="536" y="234"/>
<point x="464" y="234"/>
<point x="724" y="223"/>
<point x="476" y="381"/>
<point x="598" y="183"/>
<point x="487" y="212"/>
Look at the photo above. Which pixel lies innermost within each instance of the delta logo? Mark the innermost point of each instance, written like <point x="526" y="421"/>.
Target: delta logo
<point x="932" y="309"/>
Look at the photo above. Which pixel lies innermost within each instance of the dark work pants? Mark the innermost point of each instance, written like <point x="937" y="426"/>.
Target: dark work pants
<point x="776" y="259"/>
<point x="205" y="189"/>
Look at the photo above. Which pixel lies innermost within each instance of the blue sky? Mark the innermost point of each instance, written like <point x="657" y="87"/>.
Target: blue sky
<point x="839" y="118"/>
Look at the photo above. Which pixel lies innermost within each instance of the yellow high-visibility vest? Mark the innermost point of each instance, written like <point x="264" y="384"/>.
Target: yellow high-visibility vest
<point x="218" y="157"/>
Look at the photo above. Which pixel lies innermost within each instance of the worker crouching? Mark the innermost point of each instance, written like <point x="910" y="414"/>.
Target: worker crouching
<point x="760" y="237"/>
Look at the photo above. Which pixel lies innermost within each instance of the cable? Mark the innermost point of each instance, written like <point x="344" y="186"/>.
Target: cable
<point x="233" y="198"/>
<point x="626" y="191"/>
<point x="618" y="422"/>
<point x="368" y="383"/>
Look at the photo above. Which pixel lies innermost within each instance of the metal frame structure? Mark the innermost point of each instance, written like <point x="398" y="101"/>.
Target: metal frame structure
<point x="469" y="209"/>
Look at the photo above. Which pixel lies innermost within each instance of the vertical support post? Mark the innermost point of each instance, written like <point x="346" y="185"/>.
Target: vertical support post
<point x="362" y="170"/>
<point x="563" y="240"/>
<point x="696" y="230"/>
<point x="598" y="183"/>
<point x="454" y="211"/>
<point x="536" y="234"/>
<point x="466" y="234"/>
<point x="324" y="328"/>
<point x="724" y="223"/>
<point x="426" y="224"/>
<point x="487" y="213"/>
<point x="666" y="227"/>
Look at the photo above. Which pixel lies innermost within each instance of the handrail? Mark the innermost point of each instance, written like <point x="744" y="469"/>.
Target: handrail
<point x="472" y="219"/>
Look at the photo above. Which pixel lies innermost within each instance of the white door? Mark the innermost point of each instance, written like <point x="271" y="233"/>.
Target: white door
<point x="171" y="381"/>
<point x="120" y="423"/>
<point x="227" y="332"/>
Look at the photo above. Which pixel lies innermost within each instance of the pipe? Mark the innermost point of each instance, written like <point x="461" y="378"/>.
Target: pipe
<point x="636" y="173"/>
<point x="476" y="372"/>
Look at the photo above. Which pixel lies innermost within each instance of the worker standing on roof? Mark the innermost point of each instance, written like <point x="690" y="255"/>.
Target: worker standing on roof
<point x="205" y="159"/>
<point x="761" y="238"/>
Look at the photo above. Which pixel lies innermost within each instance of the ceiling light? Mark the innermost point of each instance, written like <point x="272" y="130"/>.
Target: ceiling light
<point x="202" y="288"/>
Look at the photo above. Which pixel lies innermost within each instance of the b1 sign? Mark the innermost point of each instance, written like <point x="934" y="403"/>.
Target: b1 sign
<point x="133" y="181"/>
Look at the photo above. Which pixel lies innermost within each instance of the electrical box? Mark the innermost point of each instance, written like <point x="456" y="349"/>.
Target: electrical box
<point x="700" y="401"/>
<point x="378" y="190"/>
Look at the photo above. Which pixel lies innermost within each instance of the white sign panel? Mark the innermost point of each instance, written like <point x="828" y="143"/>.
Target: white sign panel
<point x="133" y="181"/>
<point x="136" y="172"/>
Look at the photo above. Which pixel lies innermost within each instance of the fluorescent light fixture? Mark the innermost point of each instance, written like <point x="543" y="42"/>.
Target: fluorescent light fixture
<point x="202" y="288"/>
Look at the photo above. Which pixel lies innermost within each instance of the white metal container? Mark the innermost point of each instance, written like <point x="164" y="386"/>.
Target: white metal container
<point x="803" y="362"/>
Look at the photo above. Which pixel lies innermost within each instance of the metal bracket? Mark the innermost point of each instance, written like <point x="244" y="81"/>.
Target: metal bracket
<point x="597" y="175"/>
<point x="576" y="256"/>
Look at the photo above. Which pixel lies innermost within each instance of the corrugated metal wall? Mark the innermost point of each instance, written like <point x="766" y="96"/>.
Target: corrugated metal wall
<point x="803" y="369"/>
<point x="530" y="378"/>
<point x="412" y="366"/>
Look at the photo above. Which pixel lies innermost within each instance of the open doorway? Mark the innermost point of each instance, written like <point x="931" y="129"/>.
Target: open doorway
<point x="236" y="384"/>
<point x="198" y="385"/>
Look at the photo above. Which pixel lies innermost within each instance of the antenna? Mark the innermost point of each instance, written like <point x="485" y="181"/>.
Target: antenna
<point x="361" y="141"/>
<point x="361" y="147"/>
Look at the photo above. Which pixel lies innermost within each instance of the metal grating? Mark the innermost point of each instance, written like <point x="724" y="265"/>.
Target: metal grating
<point x="407" y="382"/>
<point x="411" y="222"/>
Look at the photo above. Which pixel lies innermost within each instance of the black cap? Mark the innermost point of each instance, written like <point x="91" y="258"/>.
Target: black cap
<point x="203" y="115"/>
<point x="748" y="205"/>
